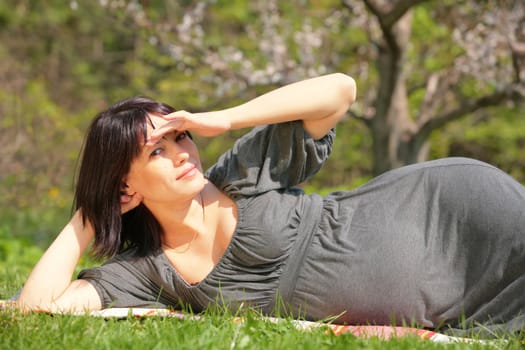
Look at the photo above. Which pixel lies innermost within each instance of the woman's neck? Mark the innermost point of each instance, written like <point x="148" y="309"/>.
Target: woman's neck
<point x="182" y="220"/>
<point x="205" y="220"/>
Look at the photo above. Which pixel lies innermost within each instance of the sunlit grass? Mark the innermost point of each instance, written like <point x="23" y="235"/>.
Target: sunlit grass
<point x="214" y="331"/>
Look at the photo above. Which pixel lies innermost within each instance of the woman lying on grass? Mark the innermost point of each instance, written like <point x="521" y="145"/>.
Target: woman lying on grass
<point x="437" y="244"/>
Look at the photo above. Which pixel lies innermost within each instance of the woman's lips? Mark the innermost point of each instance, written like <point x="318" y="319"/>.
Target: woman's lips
<point x="187" y="172"/>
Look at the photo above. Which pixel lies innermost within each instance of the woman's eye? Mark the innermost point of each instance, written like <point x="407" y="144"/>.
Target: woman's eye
<point x="180" y="136"/>
<point x="156" y="152"/>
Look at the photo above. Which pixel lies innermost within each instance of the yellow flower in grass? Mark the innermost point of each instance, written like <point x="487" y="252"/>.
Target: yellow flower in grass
<point x="53" y="192"/>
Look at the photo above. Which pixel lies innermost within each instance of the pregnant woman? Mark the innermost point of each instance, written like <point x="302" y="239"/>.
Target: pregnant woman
<point x="436" y="244"/>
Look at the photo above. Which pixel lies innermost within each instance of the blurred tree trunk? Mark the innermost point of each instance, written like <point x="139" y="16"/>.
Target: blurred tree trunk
<point x="391" y="125"/>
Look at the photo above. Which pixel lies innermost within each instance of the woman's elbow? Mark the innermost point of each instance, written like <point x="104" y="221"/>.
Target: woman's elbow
<point x="347" y="88"/>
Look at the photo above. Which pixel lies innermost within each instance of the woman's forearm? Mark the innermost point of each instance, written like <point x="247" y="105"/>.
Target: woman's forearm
<point x="52" y="274"/>
<point x="320" y="102"/>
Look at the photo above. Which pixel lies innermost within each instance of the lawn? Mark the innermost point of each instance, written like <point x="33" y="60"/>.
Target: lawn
<point x="215" y="330"/>
<point x="40" y="331"/>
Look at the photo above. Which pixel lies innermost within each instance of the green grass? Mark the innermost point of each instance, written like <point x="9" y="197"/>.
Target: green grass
<point x="41" y="331"/>
<point x="216" y="330"/>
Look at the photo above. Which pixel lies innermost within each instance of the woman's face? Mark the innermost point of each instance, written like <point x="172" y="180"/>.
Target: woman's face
<point x="168" y="171"/>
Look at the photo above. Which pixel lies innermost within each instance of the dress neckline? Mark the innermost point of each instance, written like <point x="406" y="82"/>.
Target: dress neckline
<point x="240" y="211"/>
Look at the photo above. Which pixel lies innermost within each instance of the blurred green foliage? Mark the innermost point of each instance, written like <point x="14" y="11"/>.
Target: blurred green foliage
<point x="499" y="141"/>
<point x="17" y="257"/>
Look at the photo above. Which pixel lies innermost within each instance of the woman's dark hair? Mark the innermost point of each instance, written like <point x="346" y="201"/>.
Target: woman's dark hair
<point x="113" y="140"/>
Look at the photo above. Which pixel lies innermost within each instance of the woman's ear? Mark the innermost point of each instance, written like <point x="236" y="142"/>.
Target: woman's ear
<point x="129" y="201"/>
<point x="125" y="189"/>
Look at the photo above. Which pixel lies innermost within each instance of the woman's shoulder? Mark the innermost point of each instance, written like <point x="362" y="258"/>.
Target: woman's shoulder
<point x="270" y="157"/>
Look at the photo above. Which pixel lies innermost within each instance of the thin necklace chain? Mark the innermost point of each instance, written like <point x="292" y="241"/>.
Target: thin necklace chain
<point x="188" y="246"/>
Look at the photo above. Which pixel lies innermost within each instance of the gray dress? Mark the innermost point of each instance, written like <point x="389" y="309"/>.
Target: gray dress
<point x="440" y="243"/>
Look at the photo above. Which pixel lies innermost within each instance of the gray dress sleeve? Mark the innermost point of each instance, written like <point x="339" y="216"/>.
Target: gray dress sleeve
<point x="270" y="157"/>
<point x="128" y="280"/>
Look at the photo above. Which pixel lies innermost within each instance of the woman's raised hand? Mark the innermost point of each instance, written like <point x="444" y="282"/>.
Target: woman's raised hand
<point x="202" y="124"/>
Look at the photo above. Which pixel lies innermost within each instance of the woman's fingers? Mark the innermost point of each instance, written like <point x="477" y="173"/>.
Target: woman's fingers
<point x="176" y="123"/>
<point x="202" y="124"/>
<point x="177" y="115"/>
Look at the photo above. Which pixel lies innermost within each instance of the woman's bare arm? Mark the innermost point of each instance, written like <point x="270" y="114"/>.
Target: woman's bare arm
<point x="49" y="286"/>
<point x="319" y="102"/>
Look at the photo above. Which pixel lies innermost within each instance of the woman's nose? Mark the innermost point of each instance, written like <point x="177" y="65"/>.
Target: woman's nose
<point x="179" y="155"/>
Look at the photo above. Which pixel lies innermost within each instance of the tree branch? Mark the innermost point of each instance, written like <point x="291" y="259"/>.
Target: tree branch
<point x="380" y="14"/>
<point x="398" y="11"/>
<point x="518" y="57"/>
<point x="395" y="38"/>
<point x="374" y="8"/>
<point x="388" y="16"/>
<point x="512" y="92"/>
<point x="438" y="83"/>
<point x="517" y="47"/>
<point x="361" y="117"/>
